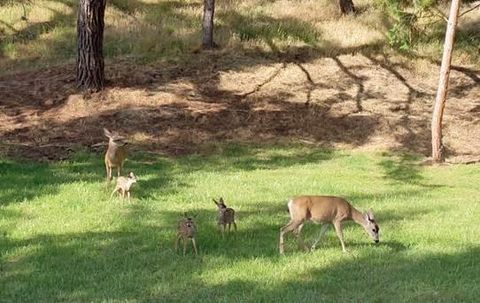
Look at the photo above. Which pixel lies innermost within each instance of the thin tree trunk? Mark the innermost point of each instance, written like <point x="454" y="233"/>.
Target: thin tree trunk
<point x="90" y="64"/>
<point x="437" y="145"/>
<point x="347" y="7"/>
<point x="208" y="11"/>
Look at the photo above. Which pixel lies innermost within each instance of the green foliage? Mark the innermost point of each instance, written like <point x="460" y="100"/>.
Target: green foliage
<point x="63" y="239"/>
<point x="404" y="18"/>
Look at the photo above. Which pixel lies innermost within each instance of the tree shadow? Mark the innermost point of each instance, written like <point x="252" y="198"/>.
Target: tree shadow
<point x="25" y="181"/>
<point x="205" y="111"/>
<point x="403" y="168"/>
<point x="137" y="261"/>
<point x="367" y="278"/>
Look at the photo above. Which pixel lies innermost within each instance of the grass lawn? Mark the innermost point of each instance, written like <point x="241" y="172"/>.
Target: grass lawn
<point x="63" y="239"/>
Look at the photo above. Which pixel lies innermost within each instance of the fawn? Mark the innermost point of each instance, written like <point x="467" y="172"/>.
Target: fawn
<point x="324" y="210"/>
<point x="226" y="215"/>
<point x="116" y="153"/>
<point x="124" y="184"/>
<point x="186" y="231"/>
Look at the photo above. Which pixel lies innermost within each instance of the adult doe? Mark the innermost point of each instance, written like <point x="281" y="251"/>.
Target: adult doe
<point x="324" y="210"/>
<point x="124" y="184"/>
<point x="116" y="153"/>
<point x="186" y="231"/>
<point x="226" y="216"/>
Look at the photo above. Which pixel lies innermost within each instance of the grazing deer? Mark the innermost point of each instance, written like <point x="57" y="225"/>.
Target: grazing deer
<point x="186" y="231"/>
<point x="124" y="184"/>
<point x="116" y="153"/>
<point x="226" y="215"/>
<point x="324" y="210"/>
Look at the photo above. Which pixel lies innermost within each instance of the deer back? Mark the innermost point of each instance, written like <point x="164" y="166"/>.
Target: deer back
<point x="319" y="208"/>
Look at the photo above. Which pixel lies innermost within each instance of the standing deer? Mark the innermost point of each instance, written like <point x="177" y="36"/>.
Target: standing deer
<point x="226" y="215"/>
<point x="116" y="153"/>
<point x="124" y="184"/>
<point x="186" y="231"/>
<point x="324" y="210"/>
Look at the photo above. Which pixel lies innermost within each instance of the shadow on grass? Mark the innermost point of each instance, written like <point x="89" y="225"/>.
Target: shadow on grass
<point x="27" y="180"/>
<point x="23" y="181"/>
<point x="403" y="168"/>
<point x="138" y="262"/>
<point x="238" y="157"/>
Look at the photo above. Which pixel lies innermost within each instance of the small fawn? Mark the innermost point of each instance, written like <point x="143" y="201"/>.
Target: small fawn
<point x="124" y="184"/>
<point x="226" y="215"/>
<point x="186" y="231"/>
<point x="324" y="210"/>
<point x="116" y="153"/>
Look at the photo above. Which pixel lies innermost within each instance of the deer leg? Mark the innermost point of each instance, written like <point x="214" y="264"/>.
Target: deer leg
<point x="194" y="246"/>
<point x="113" y="193"/>
<point x="128" y="195"/>
<point x="119" y="170"/>
<point x="234" y="225"/>
<point x="300" y="242"/>
<point x="223" y="229"/>
<point x="185" y="242"/>
<point x="290" y="226"/>
<point x="109" y="173"/>
<point x="323" y="229"/>
<point x="176" y="243"/>
<point x="229" y="227"/>
<point x="338" y="229"/>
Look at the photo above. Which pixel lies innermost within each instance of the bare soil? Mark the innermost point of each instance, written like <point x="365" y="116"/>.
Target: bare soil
<point x="354" y="101"/>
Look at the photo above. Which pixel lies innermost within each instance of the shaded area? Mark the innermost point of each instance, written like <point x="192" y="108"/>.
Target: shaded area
<point x="176" y="107"/>
<point x="138" y="262"/>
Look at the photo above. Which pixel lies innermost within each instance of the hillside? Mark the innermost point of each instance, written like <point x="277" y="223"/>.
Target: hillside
<point x="284" y="73"/>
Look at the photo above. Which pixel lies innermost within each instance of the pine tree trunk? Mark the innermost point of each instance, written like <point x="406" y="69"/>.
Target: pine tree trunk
<point x="90" y="64"/>
<point x="437" y="117"/>
<point x="347" y="7"/>
<point x="208" y="11"/>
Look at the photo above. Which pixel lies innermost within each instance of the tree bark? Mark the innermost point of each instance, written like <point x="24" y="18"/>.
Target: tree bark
<point x="90" y="63"/>
<point x="437" y="117"/>
<point x="208" y="11"/>
<point x="347" y="7"/>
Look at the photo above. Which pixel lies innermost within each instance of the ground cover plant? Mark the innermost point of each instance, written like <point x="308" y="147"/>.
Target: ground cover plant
<point x="64" y="239"/>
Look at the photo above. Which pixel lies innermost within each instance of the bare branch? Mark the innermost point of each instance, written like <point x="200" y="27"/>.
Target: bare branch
<point x="469" y="10"/>
<point x="439" y="13"/>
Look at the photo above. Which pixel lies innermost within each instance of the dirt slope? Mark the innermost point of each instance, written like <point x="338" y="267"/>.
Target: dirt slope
<point x="350" y="101"/>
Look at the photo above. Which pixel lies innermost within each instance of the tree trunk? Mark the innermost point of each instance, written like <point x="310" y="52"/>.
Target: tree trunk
<point x="208" y="11"/>
<point x="346" y="7"/>
<point x="90" y="64"/>
<point x="437" y="145"/>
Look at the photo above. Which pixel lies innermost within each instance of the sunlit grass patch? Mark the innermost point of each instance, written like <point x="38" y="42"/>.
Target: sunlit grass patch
<point x="58" y="223"/>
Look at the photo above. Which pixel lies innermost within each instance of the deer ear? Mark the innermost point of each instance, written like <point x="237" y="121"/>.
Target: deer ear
<point x="221" y="200"/>
<point x="370" y="214"/>
<point x="185" y="214"/>
<point x="107" y="132"/>
<point x="215" y="201"/>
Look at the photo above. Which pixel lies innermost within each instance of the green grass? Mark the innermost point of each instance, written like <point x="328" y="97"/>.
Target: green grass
<point x="63" y="239"/>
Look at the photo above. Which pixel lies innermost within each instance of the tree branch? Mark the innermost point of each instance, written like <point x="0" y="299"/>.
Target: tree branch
<point x="469" y="10"/>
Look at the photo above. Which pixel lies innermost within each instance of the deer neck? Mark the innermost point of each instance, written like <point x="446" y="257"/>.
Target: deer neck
<point x="358" y="217"/>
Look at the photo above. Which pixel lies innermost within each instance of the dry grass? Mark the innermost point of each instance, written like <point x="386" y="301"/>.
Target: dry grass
<point x="149" y="30"/>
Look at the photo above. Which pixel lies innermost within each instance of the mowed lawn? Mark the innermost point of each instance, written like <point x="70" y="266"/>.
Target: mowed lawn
<point x="63" y="239"/>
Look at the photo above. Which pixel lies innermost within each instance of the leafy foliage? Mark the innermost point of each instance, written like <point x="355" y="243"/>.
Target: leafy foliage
<point x="409" y="19"/>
